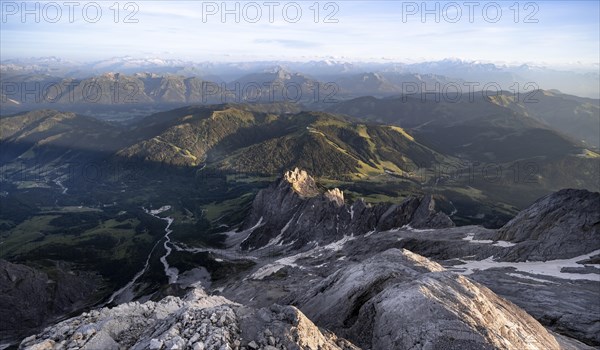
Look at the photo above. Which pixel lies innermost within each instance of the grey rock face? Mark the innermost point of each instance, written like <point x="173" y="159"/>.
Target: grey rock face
<point x="565" y="304"/>
<point x="29" y="297"/>
<point x="400" y="300"/>
<point x="427" y="217"/>
<point x="568" y="307"/>
<point x="293" y="212"/>
<point x="561" y="225"/>
<point x="394" y="300"/>
<point x="197" y="321"/>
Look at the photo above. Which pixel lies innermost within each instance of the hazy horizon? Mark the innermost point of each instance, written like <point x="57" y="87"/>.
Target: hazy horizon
<point x="552" y="34"/>
<point x="592" y="67"/>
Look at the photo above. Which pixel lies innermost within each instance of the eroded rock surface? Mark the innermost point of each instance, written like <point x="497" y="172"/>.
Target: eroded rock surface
<point x="197" y="321"/>
<point x="294" y="212"/>
<point x="29" y="297"/>
<point x="561" y="225"/>
<point x="400" y="300"/>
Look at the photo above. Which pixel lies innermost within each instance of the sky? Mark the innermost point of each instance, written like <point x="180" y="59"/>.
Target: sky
<point x="510" y="32"/>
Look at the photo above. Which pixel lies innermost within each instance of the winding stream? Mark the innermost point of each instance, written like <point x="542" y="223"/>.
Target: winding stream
<point x="171" y="272"/>
<point x="127" y="293"/>
<point x="62" y="187"/>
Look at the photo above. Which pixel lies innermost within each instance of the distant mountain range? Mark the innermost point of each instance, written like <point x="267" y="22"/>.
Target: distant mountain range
<point x="523" y="78"/>
<point x="473" y="122"/>
<point x="228" y="137"/>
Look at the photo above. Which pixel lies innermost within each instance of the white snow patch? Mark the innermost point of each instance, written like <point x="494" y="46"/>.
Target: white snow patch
<point x="504" y="244"/>
<point x="270" y="269"/>
<point x="518" y="275"/>
<point x="369" y="233"/>
<point x="338" y="245"/>
<point x="265" y="271"/>
<point x="410" y="228"/>
<point x="159" y="210"/>
<point x="278" y="240"/>
<point x="545" y="268"/>
<point x="252" y="229"/>
<point x="274" y="241"/>
<point x="483" y="241"/>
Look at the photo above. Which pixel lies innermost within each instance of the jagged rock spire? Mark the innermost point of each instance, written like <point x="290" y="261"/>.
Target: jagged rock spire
<point x="302" y="183"/>
<point x="293" y="212"/>
<point x="336" y="196"/>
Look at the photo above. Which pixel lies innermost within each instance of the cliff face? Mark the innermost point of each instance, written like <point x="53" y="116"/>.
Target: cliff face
<point x="30" y="298"/>
<point x="294" y="212"/>
<point x="561" y="225"/>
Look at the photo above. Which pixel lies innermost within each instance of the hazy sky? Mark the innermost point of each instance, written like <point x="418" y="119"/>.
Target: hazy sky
<point x="549" y="32"/>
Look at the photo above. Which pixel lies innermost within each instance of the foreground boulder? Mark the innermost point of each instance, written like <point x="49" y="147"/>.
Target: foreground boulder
<point x="401" y="300"/>
<point x="196" y="322"/>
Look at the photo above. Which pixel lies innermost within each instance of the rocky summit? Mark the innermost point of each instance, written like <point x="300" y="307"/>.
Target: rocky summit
<point x="293" y="211"/>
<point x="196" y="321"/>
<point x="400" y="300"/>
